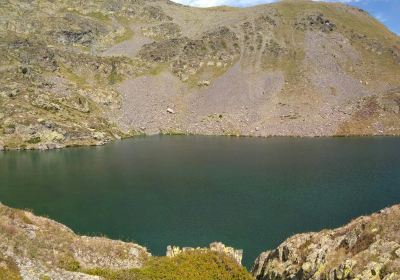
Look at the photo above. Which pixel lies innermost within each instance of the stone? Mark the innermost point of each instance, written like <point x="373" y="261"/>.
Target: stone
<point x="173" y="251"/>
<point x="51" y="146"/>
<point x="221" y="248"/>
<point x="1" y="148"/>
<point x="397" y="252"/>
<point x="42" y="147"/>
<point x="171" y="111"/>
<point x="9" y="130"/>
<point x="204" y="83"/>
<point x="98" y="135"/>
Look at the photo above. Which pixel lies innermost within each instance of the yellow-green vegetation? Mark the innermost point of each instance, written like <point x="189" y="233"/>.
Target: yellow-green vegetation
<point x="69" y="263"/>
<point x="127" y="33"/>
<point x="195" y="265"/>
<point x="99" y="16"/>
<point x="8" y="269"/>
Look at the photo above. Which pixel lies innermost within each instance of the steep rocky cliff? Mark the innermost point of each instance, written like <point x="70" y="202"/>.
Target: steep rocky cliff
<point x="87" y="72"/>
<point x="368" y="248"/>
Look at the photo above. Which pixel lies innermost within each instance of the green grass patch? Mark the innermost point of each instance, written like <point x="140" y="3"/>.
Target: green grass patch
<point x="71" y="76"/>
<point x="34" y="140"/>
<point x="195" y="265"/>
<point x="99" y="16"/>
<point x="114" y="77"/>
<point x="128" y="33"/>
<point x="68" y="263"/>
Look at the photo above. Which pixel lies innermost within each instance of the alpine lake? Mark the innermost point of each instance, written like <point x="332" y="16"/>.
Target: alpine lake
<point x="249" y="193"/>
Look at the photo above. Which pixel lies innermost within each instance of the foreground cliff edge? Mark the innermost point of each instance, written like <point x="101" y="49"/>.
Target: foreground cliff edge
<point x="368" y="248"/>
<point x="88" y="72"/>
<point x="37" y="248"/>
<point x="33" y="247"/>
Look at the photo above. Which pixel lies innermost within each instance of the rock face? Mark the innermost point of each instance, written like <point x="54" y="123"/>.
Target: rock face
<point x="101" y="70"/>
<point x="366" y="249"/>
<point x="237" y="255"/>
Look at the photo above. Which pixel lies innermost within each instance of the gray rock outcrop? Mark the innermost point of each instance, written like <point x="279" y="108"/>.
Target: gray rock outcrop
<point x="219" y="247"/>
<point x="364" y="249"/>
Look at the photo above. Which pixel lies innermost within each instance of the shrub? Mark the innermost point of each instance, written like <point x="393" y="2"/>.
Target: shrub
<point x="195" y="265"/>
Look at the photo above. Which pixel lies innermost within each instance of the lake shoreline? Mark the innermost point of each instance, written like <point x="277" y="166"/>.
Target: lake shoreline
<point x="58" y="146"/>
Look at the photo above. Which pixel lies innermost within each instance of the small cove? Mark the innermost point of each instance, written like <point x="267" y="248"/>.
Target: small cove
<point x="249" y="193"/>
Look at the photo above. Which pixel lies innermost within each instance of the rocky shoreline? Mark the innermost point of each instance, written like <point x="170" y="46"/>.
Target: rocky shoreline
<point x="32" y="247"/>
<point x="54" y="146"/>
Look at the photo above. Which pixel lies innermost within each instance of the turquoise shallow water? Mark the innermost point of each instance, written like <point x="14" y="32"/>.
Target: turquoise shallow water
<point x="189" y="191"/>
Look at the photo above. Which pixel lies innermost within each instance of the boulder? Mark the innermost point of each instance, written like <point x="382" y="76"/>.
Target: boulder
<point x="171" y="111"/>
<point x="204" y="83"/>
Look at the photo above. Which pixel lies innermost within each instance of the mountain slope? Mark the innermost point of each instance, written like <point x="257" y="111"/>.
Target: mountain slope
<point x="87" y="72"/>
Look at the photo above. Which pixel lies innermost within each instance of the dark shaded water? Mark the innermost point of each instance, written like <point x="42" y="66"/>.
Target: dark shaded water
<point x="190" y="191"/>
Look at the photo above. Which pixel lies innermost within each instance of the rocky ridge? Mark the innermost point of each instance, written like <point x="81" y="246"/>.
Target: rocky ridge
<point x="368" y="248"/>
<point x="89" y="72"/>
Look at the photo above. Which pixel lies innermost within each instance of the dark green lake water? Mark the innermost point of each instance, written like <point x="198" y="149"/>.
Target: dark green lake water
<point x="190" y="191"/>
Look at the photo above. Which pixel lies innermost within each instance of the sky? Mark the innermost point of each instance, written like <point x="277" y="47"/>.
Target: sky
<point x="386" y="11"/>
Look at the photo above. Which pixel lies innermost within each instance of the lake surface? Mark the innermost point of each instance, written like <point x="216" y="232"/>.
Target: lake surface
<point x="190" y="191"/>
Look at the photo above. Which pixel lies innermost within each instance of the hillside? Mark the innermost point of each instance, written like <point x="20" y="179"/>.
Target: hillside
<point x="88" y="72"/>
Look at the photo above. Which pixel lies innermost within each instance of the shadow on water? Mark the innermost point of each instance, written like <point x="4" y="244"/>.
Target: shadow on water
<point x="189" y="191"/>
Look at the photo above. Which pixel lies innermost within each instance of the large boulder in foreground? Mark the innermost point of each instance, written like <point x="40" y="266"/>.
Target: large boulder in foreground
<point x="367" y="248"/>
